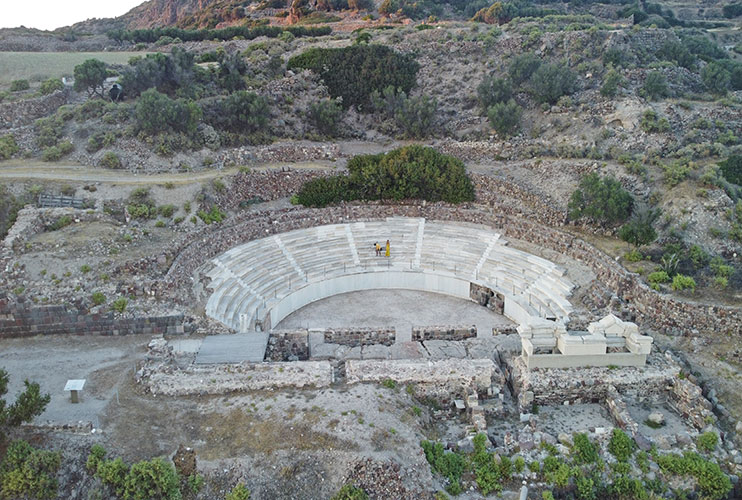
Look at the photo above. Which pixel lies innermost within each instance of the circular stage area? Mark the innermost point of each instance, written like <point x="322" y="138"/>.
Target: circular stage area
<point x="401" y="309"/>
<point x="256" y="285"/>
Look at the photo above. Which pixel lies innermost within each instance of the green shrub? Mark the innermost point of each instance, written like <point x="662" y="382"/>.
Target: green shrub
<point x="720" y="268"/>
<point x="551" y="81"/>
<point x="707" y="441"/>
<point x="414" y="115"/>
<point x="584" y="450"/>
<point x="242" y="112"/>
<point x="156" y="113"/>
<point x="19" y="85"/>
<point x="55" y="153"/>
<point x="698" y="256"/>
<point x="97" y="454"/>
<point x="50" y="130"/>
<point x="651" y="122"/>
<point x="411" y="172"/>
<point x="85" y="269"/>
<point x="354" y="72"/>
<point x="28" y="472"/>
<point x="448" y="464"/>
<point x="639" y="231"/>
<point x="658" y="277"/>
<point x="682" y="282"/>
<point x="325" y="115"/>
<point x="119" y="305"/>
<point x="113" y="473"/>
<point x="110" y="160"/>
<point x="8" y="146"/>
<point x="655" y="86"/>
<point x="710" y="480"/>
<point x="731" y="168"/>
<point x="603" y="199"/>
<point x="51" y="85"/>
<point x="239" y="492"/>
<point x="350" y="492"/>
<point x="522" y="67"/>
<point x="611" y="83"/>
<point x="152" y="480"/>
<point x="166" y="210"/>
<point x="98" y="298"/>
<point x="716" y="78"/>
<point x="214" y="215"/>
<point x="621" y="446"/>
<point x="505" y="117"/>
<point x="494" y="90"/>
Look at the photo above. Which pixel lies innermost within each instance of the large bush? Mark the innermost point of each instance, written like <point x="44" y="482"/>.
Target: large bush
<point x="354" y="72"/>
<point x="602" y="199"/>
<point x="241" y="112"/>
<point x="731" y="168"/>
<point x="505" y="117"/>
<point x="156" y="113"/>
<point x="493" y="91"/>
<point x="414" y="115"/>
<point x="8" y="146"/>
<point x="655" y="86"/>
<point x="410" y="172"/>
<point x="166" y="73"/>
<point x="325" y="115"/>
<point x="522" y="67"/>
<point x="552" y="81"/>
<point x="27" y="472"/>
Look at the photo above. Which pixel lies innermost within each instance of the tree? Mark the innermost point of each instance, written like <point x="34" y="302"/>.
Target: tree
<point x="612" y="81"/>
<point x="603" y="199"/>
<point x="155" y="479"/>
<point x="29" y="404"/>
<point x="655" y="85"/>
<point x="90" y="76"/>
<point x="505" y="117"/>
<point x="242" y="112"/>
<point x="639" y="231"/>
<point x="551" y="81"/>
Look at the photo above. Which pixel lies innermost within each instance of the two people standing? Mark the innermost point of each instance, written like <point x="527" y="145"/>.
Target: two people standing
<point x="377" y="247"/>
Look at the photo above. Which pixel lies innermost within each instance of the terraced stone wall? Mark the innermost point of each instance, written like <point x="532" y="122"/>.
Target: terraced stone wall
<point x="19" y="113"/>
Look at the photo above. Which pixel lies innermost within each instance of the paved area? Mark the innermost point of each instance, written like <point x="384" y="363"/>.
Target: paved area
<point x="233" y="348"/>
<point x="402" y="309"/>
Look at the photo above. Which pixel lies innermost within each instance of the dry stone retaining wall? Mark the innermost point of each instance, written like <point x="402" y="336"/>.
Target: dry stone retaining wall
<point x="19" y="319"/>
<point x="19" y="113"/>
<point x="286" y="345"/>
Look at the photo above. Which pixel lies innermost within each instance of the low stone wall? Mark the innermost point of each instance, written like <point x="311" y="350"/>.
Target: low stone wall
<point x="687" y="399"/>
<point x="355" y="337"/>
<point x="288" y="346"/>
<point x="651" y="309"/>
<point x="227" y="378"/>
<point x="19" y="113"/>
<point x="553" y="386"/>
<point x="422" y="333"/>
<point x="19" y="319"/>
<point x="32" y="220"/>
<point x="443" y="379"/>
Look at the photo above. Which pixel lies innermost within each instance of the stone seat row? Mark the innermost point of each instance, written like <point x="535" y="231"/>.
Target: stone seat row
<point x="255" y="274"/>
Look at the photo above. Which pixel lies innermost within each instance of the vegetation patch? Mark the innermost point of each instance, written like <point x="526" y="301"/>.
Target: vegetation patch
<point x="411" y="172"/>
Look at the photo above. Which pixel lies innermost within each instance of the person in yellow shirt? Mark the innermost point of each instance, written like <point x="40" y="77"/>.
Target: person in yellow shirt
<point x="387" y="248"/>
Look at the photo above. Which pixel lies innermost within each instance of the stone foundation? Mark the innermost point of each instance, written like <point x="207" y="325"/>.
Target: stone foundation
<point x="227" y="378"/>
<point x="286" y="346"/>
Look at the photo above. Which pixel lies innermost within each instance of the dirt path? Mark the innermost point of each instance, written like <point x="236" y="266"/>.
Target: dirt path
<point x="44" y="171"/>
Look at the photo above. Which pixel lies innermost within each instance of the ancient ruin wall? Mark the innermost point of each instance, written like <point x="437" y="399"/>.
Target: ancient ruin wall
<point x="422" y="333"/>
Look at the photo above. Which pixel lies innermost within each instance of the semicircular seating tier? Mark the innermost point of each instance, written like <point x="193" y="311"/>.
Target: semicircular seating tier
<point x="257" y="284"/>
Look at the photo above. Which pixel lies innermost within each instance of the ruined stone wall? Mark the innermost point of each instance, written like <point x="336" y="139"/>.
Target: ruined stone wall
<point x="288" y="345"/>
<point x="19" y="113"/>
<point x="649" y="309"/>
<point x="20" y="319"/>
<point x="555" y="386"/>
<point x="422" y="333"/>
<point x="355" y="337"/>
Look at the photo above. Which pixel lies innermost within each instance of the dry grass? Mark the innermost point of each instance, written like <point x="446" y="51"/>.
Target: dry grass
<point x="38" y="66"/>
